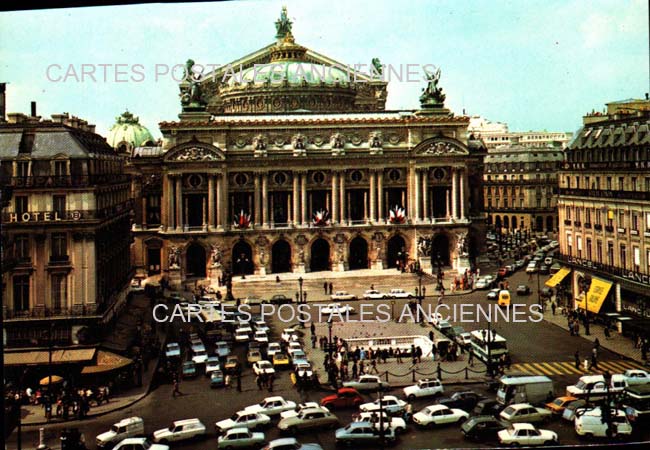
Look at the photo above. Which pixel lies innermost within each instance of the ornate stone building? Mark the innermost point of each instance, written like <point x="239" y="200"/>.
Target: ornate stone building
<point x="604" y="210"/>
<point x="496" y="134"/>
<point x="66" y="229"/>
<point x="520" y="187"/>
<point x="292" y="164"/>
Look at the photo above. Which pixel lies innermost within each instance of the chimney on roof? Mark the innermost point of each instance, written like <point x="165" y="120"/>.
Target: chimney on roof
<point x="647" y="96"/>
<point x="3" y="101"/>
<point x="33" y="109"/>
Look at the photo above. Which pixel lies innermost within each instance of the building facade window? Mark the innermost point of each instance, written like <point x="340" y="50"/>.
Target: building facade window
<point x="60" y="168"/>
<point x="599" y="251"/>
<point x="636" y="255"/>
<point x="569" y="244"/>
<point x="610" y="253"/>
<point x="21" y="292"/>
<point x="20" y="204"/>
<point x="59" y="205"/>
<point x="609" y="183"/>
<point x="153" y="210"/>
<point x="579" y="245"/>
<point x="22" y="169"/>
<point x="588" y="248"/>
<point x="22" y="247"/>
<point x="59" y="247"/>
<point x="59" y="291"/>
<point x="623" y="256"/>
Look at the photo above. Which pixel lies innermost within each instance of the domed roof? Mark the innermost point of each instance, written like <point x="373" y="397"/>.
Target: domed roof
<point x="127" y="133"/>
<point x="294" y="72"/>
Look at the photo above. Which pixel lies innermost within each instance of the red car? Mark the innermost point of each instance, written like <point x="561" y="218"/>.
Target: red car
<point x="344" y="398"/>
<point x="503" y="272"/>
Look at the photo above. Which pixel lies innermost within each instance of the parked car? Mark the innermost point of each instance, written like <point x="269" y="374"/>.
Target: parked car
<point x="532" y="267"/>
<point x="290" y="443"/>
<point x="280" y="299"/>
<point x="222" y="349"/>
<point x="263" y="366"/>
<point x="240" y="438"/>
<point x="337" y="309"/>
<point x="525" y="434"/>
<point x="261" y="337"/>
<point x="524" y="412"/>
<point x="232" y="364"/>
<point x="300" y="407"/>
<point x="397" y="424"/>
<point x="242" y="335"/>
<point x="345" y="397"/>
<point x="439" y="415"/>
<point x="281" y="361"/>
<point x="493" y="294"/>
<point x="243" y="419"/>
<point x="271" y="406"/>
<point x="483" y="428"/>
<point x="389" y="403"/>
<point x="261" y="325"/>
<point x="173" y="350"/>
<point x="636" y="376"/>
<point x="252" y="301"/>
<point x="180" y="430"/>
<point x="211" y="364"/>
<point x="522" y="289"/>
<point x="464" y="339"/>
<point x="569" y="412"/>
<point x="308" y="419"/>
<point x="373" y="294"/>
<point x="217" y="379"/>
<point x="139" y="443"/>
<point x="486" y="407"/>
<point x="125" y="428"/>
<point x="368" y="383"/>
<point x="189" y="369"/>
<point x="273" y="348"/>
<point x="484" y="282"/>
<point x="400" y="293"/>
<point x="199" y="356"/>
<point x="253" y="356"/>
<point x="423" y="388"/>
<point x="465" y="400"/>
<point x="558" y="405"/>
<point x="289" y="334"/>
<point x="359" y="433"/>
<point x="544" y="269"/>
<point x="342" y="295"/>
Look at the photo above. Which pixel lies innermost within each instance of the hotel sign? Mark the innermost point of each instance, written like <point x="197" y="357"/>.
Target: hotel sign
<point x="44" y="216"/>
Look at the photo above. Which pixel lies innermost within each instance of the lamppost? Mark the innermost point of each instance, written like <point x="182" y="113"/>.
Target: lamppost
<point x="300" y="281"/>
<point x="606" y="408"/>
<point x="488" y="338"/>
<point x="329" y="349"/>
<point x="382" y="433"/>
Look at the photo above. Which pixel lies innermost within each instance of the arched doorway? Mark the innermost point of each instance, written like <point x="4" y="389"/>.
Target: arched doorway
<point x="506" y="222"/>
<point x="154" y="247"/>
<point x="195" y="261"/>
<point x="320" y="255"/>
<point x="549" y="223"/>
<point x="440" y="249"/>
<point x="396" y="251"/>
<point x="539" y="223"/>
<point x="281" y="257"/>
<point x="497" y="222"/>
<point x="358" y="258"/>
<point x="242" y="258"/>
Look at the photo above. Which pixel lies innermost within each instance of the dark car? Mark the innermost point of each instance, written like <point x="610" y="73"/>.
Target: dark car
<point x="465" y="400"/>
<point x="482" y="428"/>
<point x="486" y="407"/>
<point x="279" y="299"/>
<point x="522" y="289"/>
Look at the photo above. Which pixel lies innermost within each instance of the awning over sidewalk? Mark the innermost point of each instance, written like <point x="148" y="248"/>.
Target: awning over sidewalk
<point x="558" y="277"/>
<point x="596" y="296"/>
<point x="39" y="357"/>
<point x="107" y="361"/>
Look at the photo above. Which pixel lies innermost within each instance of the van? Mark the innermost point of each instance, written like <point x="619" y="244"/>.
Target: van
<point x="590" y="423"/>
<point x="504" y="298"/>
<point x="179" y="431"/>
<point x="125" y="428"/>
<point x="593" y="386"/>
<point x="525" y="389"/>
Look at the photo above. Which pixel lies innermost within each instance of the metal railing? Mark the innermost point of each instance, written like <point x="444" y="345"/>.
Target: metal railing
<point x="64" y="181"/>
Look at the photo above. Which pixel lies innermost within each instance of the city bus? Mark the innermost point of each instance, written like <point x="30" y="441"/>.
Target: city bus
<point x="497" y="345"/>
<point x="636" y="402"/>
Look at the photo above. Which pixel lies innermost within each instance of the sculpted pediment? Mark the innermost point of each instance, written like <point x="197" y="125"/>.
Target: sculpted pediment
<point x="440" y="147"/>
<point x="194" y="152"/>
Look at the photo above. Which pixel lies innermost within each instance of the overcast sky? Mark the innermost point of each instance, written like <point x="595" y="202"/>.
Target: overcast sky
<point x="533" y="64"/>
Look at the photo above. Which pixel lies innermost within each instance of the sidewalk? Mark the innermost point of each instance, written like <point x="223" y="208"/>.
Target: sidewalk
<point x="616" y="343"/>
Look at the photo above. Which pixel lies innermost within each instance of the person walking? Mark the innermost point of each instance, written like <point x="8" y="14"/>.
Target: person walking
<point x="331" y="286"/>
<point x="594" y="358"/>
<point x="398" y="355"/>
<point x="597" y="344"/>
<point x="577" y="359"/>
<point x="606" y="331"/>
<point x="312" y="328"/>
<point x="238" y="382"/>
<point x="553" y="306"/>
<point x="227" y="381"/>
<point x="270" y="382"/>
<point x="325" y="287"/>
<point x="470" y="360"/>
<point x="176" y="388"/>
<point x="373" y="366"/>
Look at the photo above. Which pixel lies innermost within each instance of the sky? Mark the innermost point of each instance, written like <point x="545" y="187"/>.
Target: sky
<point x="535" y="65"/>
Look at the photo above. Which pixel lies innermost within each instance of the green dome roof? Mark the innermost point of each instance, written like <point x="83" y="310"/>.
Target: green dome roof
<point x="292" y="71"/>
<point x="128" y="132"/>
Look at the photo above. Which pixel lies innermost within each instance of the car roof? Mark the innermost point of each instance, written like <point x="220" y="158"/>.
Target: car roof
<point x="347" y="389"/>
<point x="128" y="421"/>
<point x="186" y="421"/>
<point x="272" y="399"/>
<point x="437" y="407"/>
<point x="283" y="441"/>
<point x="523" y="426"/>
<point x="238" y="430"/>
<point x="133" y="440"/>
<point x="312" y="409"/>
<point x="520" y="405"/>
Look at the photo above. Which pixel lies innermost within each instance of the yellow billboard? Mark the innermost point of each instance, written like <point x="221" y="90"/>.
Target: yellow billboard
<point x="558" y="277"/>
<point x="596" y="296"/>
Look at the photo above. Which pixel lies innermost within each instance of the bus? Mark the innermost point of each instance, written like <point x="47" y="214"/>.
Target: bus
<point x="636" y="403"/>
<point x="498" y="345"/>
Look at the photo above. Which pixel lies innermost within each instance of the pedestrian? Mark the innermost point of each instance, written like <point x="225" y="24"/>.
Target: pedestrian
<point x="594" y="361"/>
<point x="362" y="369"/>
<point x="258" y="380"/>
<point x="325" y="287"/>
<point x="470" y="360"/>
<point x="606" y="331"/>
<point x="373" y="366"/>
<point x="238" y="382"/>
<point x="597" y="344"/>
<point x="577" y="359"/>
<point x="227" y="381"/>
<point x="398" y="355"/>
<point x="355" y="370"/>
<point x="553" y="306"/>
<point x="313" y="341"/>
<point x="176" y="388"/>
<point x="331" y="288"/>
<point x="576" y="327"/>
<point x="270" y="382"/>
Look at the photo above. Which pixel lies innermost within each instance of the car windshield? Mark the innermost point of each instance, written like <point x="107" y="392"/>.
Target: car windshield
<point x="558" y="402"/>
<point x="509" y="410"/>
<point x="235" y="417"/>
<point x="581" y="384"/>
<point x="115" y="429"/>
<point x="146" y="444"/>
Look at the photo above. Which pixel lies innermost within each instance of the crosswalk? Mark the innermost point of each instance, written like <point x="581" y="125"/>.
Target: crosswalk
<point x="569" y="368"/>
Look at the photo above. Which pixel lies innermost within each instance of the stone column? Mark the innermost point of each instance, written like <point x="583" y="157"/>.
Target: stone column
<point x="416" y="194"/>
<point x="448" y="204"/>
<point x="303" y="199"/>
<point x="365" y="206"/>
<point x="265" y="199"/>
<point x="373" y="195"/>
<point x="342" y="197"/>
<point x="164" y="203"/>
<point x="211" y="202"/>
<point x="289" y="209"/>
<point x="381" y="216"/>
<point x="335" y="197"/>
<point x="185" y="213"/>
<point x="461" y="176"/>
<point x="257" y="216"/>
<point x="204" y="208"/>
<point x="425" y="195"/>
<point x="454" y="193"/>
<point x="224" y="199"/>
<point x="179" y="203"/>
<point x="296" y="198"/>
<point x="144" y="210"/>
<point x="219" y="205"/>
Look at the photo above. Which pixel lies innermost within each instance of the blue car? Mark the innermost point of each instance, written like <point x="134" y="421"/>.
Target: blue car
<point x="217" y="379"/>
<point x="189" y="369"/>
<point x="360" y="433"/>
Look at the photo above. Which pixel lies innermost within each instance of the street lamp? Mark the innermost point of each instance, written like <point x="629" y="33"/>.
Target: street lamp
<point x="329" y="349"/>
<point x="300" y="281"/>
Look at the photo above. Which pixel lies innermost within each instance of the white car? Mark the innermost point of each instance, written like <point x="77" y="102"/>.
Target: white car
<point x="342" y="295"/>
<point x="244" y="327"/>
<point x="484" y="282"/>
<point x="242" y="335"/>
<point x="439" y="415"/>
<point x="525" y="434"/>
<point x="252" y="301"/>
<point x="180" y="430"/>
<point x="636" y="377"/>
<point x="303" y="368"/>
<point x="424" y="388"/>
<point x="273" y="348"/>
<point x="524" y="413"/>
<point x="263" y="366"/>
<point x="243" y="419"/>
<point x="125" y="428"/>
<point x="211" y="364"/>
<point x="390" y="404"/>
<point x="436" y="318"/>
<point x="301" y="406"/>
<point x="337" y="309"/>
<point x="173" y="350"/>
<point x="241" y="438"/>
<point x="590" y="423"/>
<point x="271" y="406"/>
<point x="261" y="337"/>
<point x="260" y="325"/>
<point x="293" y="347"/>
<point x="139" y="443"/>
<point x="532" y="267"/>
<point x="464" y="339"/>
<point x="400" y="293"/>
<point x="373" y="294"/>
<point x="288" y="333"/>
<point x="397" y="424"/>
<point x="200" y="356"/>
